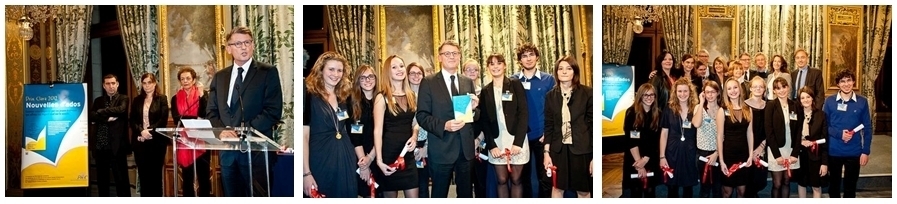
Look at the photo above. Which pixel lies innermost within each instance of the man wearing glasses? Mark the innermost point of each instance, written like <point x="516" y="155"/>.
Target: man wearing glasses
<point x="245" y="94"/>
<point x="451" y="141"/>
<point x="536" y="85"/>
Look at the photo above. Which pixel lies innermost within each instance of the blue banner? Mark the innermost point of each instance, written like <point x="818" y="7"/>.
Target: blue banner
<point x="618" y="91"/>
<point x="54" y="152"/>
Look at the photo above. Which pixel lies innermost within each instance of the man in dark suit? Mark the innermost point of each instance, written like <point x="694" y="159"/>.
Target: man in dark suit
<point x="807" y="76"/>
<point x="110" y="144"/>
<point x="257" y="86"/>
<point x="452" y="141"/>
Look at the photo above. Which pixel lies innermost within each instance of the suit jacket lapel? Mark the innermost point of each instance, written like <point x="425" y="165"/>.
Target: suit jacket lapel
<point x="440" y="86"/>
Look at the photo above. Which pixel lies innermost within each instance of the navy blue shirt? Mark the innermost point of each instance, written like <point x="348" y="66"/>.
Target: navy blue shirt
<point x="539" y="85"/>
<point x="856" y="113"/>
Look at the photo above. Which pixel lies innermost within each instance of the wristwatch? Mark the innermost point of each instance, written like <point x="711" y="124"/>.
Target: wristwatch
<point x="306" y="174"/>
<point x="545" y="151"/>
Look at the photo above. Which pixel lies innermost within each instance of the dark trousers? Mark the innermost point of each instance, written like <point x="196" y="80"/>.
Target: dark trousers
<point x="442" y="174"/>
<point x="150" y="159"/>
<point x="478" y="177"/>
<point x="535" y="183"/>
<point x="236" y="176"/>
<point x="202" y="171"/>
<point x="106" y="160"/>
<point x="714" y="184"/>
<point x="423" y="178"/>
<point x="851" y="167"/>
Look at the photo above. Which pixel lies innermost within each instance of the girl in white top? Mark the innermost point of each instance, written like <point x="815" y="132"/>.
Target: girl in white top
<point x="505" y="131"/>
<point x="705" y="121"/>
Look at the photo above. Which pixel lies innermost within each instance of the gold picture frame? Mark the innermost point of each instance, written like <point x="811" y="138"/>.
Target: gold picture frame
<point x="716" y="30"/>
<point x="207" y="54"/>
<point x="387" y="46"/>
<point x="843" y="42"/>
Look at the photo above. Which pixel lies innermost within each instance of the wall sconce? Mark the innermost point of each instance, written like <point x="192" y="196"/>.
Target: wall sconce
<point x="25" y="30"/>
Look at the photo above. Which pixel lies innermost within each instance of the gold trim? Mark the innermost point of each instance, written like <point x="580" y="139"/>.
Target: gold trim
<point x="380" y="13"/>
<point x="163" y="44"/>
<point x="381" y="35"/>
<point x="842" y="16"/>
<point x="716" y="12"/>
<point x="436" y="33"/>
<point x="585" y="38"/>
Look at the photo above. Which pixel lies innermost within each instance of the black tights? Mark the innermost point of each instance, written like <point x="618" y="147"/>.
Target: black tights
<point x="780" y="186"/>
<point x="673" y="192"/>
<point x="727" y="191"/>
<point x="639" y="192"/>
<point x="501" y="172"/>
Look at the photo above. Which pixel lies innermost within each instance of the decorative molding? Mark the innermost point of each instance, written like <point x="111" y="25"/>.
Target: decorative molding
<point x="842" y="16"/>
<point x="716" y="11"/>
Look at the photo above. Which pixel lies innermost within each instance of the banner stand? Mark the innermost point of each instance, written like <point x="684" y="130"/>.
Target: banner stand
<point x="57" y="192"/>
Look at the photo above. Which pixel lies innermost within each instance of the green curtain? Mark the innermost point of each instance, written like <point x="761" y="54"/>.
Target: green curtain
<point x="616" y="37"/>
<point x="272" y="28"/>
<point x="677" y="30"/>
<point x="876" y="31"/>
<point x="352" y="29"/>
<point x="140" y="35"/>
<point x="72" y="39"/>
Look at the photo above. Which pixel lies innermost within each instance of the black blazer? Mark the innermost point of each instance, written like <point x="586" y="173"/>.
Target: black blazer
<point x="202" y="103"/>
<point x="261" y="95"/>
<point x="434" y="109"/>
<point x="818" y="130"/>
<point x="814" y="80"/>
<point x="775" y="127"/>
<point x="580" y="106"/>
<point x="118" y="129"/>
<point x="515" y="112"/>
<point x="158" y="118"/>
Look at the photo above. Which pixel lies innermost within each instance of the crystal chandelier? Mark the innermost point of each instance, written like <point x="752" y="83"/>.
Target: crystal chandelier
<point x="643" y="15"/>
<point x="34" y="15"/>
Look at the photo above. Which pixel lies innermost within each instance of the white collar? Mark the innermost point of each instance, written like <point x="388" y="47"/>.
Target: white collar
<point x="853" y="96"/>
<point x="245" y="65"/>
<point x="448" y="75"/>
<point x="538" y="74"/>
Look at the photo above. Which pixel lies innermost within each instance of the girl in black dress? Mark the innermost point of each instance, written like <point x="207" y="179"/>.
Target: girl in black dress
<point x="361" y="130"/>
<point x="329" y="155"/>
<point x="677" y="140"/>
<point x="394" y="108"/>
<point x="759" y="173"/>
<point x="642" y="135"/>
<point x="813" y="153"/>
<point x="736" y="140"/>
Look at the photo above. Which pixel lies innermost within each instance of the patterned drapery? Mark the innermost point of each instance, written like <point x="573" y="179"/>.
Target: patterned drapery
<point x="781" y="30"/>
<point x="875" y="39"/>
<point x="483" y="30"/>
<point x="72" y="39"/>
<point x="272" y="28"/>
<point x="616" y="34"/>
<point x="677" y="29"/>
<point x="352" y="28"/>
<point x="140" y="35"/>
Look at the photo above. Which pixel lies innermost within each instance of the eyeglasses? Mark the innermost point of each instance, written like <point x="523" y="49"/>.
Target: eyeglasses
<point x="367" y="78"/>
<point x="415" y="73"/>
<point x="241" y="44"/>
<point x="450" y="54"/>
<point x="648" y="95"/>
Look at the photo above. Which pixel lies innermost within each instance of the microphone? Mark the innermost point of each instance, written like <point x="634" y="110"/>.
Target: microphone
<point x="242" y="133"/>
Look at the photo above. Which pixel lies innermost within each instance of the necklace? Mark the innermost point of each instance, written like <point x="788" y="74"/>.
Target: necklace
<point x="335" y="120"/>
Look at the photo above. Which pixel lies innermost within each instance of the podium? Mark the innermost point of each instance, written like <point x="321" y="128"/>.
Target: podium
<point x="248" y="140"/>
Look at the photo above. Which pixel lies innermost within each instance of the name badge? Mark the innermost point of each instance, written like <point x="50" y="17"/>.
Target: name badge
<point x="793" y="116"/>
<point x="727" y="113"/>
<point x="686" y="124"/>
<point x="507" y="96"/>
<point x="341" y="115"/>
<point x="420" y="164"/>
<point x="357" y="128"/>
<point x="483" y="144"/>
<point x="842" y="107"/>
<point x="634" y="134"/>
<point x="526" y="85"/>
<point x="707" y="120"/>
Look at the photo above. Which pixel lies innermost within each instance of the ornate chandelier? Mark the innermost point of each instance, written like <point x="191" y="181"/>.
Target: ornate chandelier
<point x="642" y="15"/>
<point x="33" y="15"/>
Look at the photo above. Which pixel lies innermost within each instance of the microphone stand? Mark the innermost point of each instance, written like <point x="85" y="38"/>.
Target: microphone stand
<point x="241" y="133"/>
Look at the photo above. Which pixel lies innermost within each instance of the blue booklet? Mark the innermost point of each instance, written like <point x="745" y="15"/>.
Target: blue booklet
<point x="463" y="108"/>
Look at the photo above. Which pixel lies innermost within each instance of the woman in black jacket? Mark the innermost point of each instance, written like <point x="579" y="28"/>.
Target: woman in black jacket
<point x="504" y="125"/>
<point x="782" y="138"/>
<point x="814" y="149"/>
<point x="568" y="131"/>
<point x="149" y="110"/>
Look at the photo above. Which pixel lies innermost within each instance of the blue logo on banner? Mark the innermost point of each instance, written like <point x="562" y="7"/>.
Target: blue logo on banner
<point x="53" y="111"/>
<point x="616" y="81"/>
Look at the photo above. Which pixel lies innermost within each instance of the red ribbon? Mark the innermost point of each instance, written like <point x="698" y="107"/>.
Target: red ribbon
<point x="733" y="168"/>
<point x="424" y="161"/>
<point x="644" y="182"/>
<point x="508" y="157"/>
<point x="554" y="176"/>
<point x="399" y="164"/>
<point x="315" y="194"/>
<point x="666" y="172"/>
<point x="814" y="147"/>
<point x="757" y="162"/>
<point x="788" y="167"/>
<point x="706" y="177"/>
<point x="372" y="186"/>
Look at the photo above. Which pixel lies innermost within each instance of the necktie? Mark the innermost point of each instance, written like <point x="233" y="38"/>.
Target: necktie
<point x="454" y="89"/>
<point x="798" y="84"/>
<point x="237" y="85"/>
